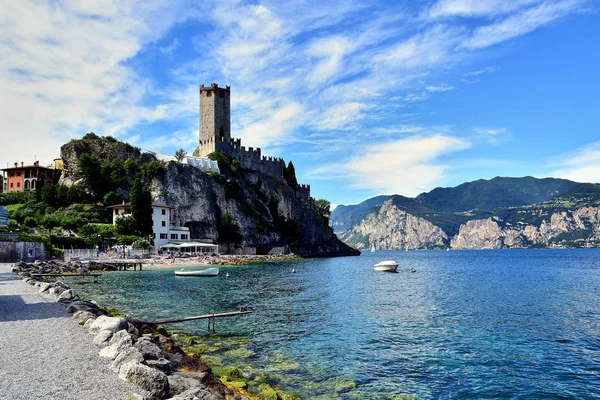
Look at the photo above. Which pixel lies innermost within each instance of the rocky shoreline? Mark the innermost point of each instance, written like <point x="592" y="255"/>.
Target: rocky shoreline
<point x="142" y="354"/>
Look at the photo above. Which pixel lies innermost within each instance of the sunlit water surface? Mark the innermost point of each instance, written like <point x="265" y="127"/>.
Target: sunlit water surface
<point x="466" y="324"/>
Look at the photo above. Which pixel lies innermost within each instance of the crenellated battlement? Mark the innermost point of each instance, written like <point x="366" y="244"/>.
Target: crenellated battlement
<point x="215" y="135"/>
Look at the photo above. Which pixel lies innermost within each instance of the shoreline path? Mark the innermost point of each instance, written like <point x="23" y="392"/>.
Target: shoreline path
<point x="44" y="354"/>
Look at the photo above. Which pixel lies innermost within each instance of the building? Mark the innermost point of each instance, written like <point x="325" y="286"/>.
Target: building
<point x="163" y="229"/>
<point x="215" y="135"/>
<point x="24" y="177"/>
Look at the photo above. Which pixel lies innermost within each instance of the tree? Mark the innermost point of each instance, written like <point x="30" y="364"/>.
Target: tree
<point x="324" y="210"/>
<point x="180" y="154"/>
<point x="126" y="225"/>
<point x="49" y="194"/>
<point x="112" y="198"/>
<point x="62" y="195"/>
<point x="31" y="222"/>
<point x="38" y="188"/>
<point x="141" y="208"/>
<point x="90" y="170"/>
<point x="75" y="194"/>
<point x="289" y="174"/>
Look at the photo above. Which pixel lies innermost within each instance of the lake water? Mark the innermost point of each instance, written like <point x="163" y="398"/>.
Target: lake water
<point x="467" y="324"/>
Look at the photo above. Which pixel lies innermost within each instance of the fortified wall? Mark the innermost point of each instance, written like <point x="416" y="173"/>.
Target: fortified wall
<point x="250" y="158"/>
<point x="215" y="135"/>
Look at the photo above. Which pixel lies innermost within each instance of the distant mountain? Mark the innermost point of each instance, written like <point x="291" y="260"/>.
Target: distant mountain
<point x="483" y="195"/>
<point x="498" y="213"/>
<point x="495" y="193"/>
<point x="345" y="217"/>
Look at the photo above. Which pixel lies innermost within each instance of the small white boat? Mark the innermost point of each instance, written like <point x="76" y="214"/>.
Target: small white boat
<point x="386" y="266"/>
<point x="201" y="272"/>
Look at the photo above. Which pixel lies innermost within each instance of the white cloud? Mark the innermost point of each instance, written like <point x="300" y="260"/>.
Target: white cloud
<point x="407" y="166"/>
<point x="331" y="52"/>
<point x="582" y="165"/>
<point x="475" y="8"/>
<point x="519" y="23"/>
<point x="481" y="71"/>
<point x="171" y="47"/>
<point x="439" y="88"/>
<point x="340" y="116"/>
<point x="492" y="135"/>
<point x="268" y="131"/>
<point x="63" y="70"/>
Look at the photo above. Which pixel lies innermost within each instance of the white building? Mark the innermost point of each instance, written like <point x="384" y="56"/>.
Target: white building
<point x="163" y="229"/>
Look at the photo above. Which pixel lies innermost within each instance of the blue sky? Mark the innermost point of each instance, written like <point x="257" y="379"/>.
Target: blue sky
<point x="366" y="98"/>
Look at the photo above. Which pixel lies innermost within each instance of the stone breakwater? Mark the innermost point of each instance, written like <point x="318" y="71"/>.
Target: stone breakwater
<point x="225" y="259"/>
<point x="152" y="361"/>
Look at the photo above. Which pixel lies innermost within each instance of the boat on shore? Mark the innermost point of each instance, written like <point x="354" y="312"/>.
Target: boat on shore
<point x="201" y="272"/>
<point x="386" y="266"/>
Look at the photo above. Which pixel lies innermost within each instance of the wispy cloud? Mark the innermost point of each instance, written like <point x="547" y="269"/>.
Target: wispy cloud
<point x="492" y="135"/>
<point x="474" y="8"/>
<point x="521" y="23"/>
<point x="407" y="166"/>
<point x="171" y="47"/>
<point x="582" y="165"/>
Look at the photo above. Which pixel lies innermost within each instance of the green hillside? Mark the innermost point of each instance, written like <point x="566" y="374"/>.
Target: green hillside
<point x="494" y="193"/>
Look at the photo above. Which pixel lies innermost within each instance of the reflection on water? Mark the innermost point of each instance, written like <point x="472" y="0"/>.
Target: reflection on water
<point x="477" y="324"/>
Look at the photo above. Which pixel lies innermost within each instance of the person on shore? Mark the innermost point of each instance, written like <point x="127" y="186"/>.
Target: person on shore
<point x="82" y="270"/>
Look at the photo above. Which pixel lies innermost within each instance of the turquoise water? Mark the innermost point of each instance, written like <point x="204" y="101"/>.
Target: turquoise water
<point x="466" y="324"/>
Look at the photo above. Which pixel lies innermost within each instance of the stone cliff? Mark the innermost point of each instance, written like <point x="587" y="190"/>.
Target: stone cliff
<point x="263" y="212"/>
<point x="579" y="227"/>
<point x="390" y="228"/>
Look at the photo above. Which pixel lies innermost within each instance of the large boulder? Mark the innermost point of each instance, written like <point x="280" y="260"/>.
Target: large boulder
<point x="180" y="382"/>
<point x="67" y="296"/>
<point x="120" y="341"/>
<point x="44" y="286"/>
<point x="82" y="316"/>
<point x="85" y="306"/>
<point x="129" y="354"/>
<point x="197" y="394"/>
<point x="149" y="350"/>
<point x="102" y="338"/>
<point x="149" y="379"/>
<point x="104" y="323"/>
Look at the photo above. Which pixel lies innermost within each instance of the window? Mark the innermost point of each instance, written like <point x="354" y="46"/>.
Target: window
<point x="163" y="235"/>
<point x="12" y="184"/>
<point x="18" y="184"/>
<point x="116" y="212"/>
<point x="18" y="173"/>
<point x="12" y="174"/>
<point x="164" y="212"/>
<point x="184" y="237"/>
<point x="163" y="223"/>
<point x="174" y="236"/>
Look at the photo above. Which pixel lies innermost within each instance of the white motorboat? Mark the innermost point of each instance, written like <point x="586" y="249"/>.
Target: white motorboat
<point x="201" y="272"/>
<point x="386" y="266"/>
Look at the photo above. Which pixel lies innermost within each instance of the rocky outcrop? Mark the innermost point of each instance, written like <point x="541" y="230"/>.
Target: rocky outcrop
<point x="391" y="228"/>
<point x="266" y="210"/>
<point x="580" y="227"/>
<point x="201" y="202"/>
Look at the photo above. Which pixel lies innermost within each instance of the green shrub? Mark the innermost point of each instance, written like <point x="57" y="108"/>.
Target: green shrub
<point x="112" y="198"/>
<point x="152" y="169"/>
<point x="31" y="222"/>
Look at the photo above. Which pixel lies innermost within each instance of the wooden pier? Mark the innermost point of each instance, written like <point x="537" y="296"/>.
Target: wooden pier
<point x="115" y="265"/>
<point x="210" y="317"/>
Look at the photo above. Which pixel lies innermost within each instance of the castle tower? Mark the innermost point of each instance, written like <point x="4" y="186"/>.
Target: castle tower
<point x="214" y="112"/>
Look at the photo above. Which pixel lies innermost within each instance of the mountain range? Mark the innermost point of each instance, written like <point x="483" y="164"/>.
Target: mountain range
<point x="497" y="213"/>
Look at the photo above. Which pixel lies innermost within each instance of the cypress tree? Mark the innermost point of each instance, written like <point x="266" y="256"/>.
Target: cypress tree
<point x="141" y="207"/>
<point x="290" y="175"/>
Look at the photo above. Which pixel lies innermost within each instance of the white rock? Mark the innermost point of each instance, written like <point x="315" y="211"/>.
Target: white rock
<point x="102" y="338"/>
<point x="112" y="324"/>
<point x="129" y="354"/>
<point x="44" y="286"/>
<point x="82" y="316"/>
<point x="148" y="378"/>
<point x="119" y="342"/>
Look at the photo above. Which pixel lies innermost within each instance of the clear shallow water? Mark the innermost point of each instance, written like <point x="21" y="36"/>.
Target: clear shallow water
<point x="467" y="324"/>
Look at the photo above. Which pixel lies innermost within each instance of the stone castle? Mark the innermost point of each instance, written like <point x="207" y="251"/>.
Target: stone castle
<point x="215" y="135"/>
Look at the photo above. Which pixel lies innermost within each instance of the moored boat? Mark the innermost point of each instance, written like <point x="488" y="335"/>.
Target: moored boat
<point x="201" y="272"/>
<point x="386" y="266"/>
